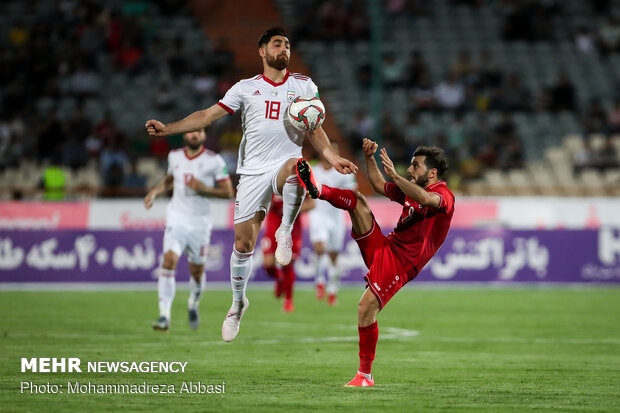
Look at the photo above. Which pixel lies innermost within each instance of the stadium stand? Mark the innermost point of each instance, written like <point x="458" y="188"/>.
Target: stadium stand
<point x="520" y="96"/>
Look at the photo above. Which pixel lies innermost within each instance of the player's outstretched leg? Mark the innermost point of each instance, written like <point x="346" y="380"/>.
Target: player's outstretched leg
<point x="166" y="288"/>
<point x="340" y="198"/>
<point x="306" y="176"/>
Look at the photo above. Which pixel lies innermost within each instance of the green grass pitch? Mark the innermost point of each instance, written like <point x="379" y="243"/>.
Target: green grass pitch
<point x="472" y="349"/>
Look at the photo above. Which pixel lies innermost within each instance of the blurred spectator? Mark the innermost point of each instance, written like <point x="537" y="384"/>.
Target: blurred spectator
<point x="613" y="119"/>
<point x="449" y="93"/>
<point x="423" y="95"/>
<point x="415" y="133"/>
<point x="84" y="82"/>
<point x="585" y="41"/>
<point x="178" y="61"/>
<point x="584" y="157"/>
<point x="562" y="94"/>
<point x="607" y="156"/>
<point x="159" y="148"/>
<point x="113" y="162"/>
<point x="512" y="156"/>
<point x="362" y="126"/>
<point x="489" y="73"/>
<point x="53" y="183"/>
<point x="463" y="68"/>
<point x="164" y="98"/>
<point x="595" y="118"/>
<point x="393" y="70"/>
<point x="134" y="182"/>
<point x="609" y="36"/>
<point x="73" y="152"/>
<point x="506" y="130"/>
<point x="513" y="95"/>
<point x="416" y="70"/>
<point x="50" y="137"/>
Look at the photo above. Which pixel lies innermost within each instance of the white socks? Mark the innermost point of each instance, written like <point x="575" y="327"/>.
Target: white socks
<point x="166" y="287"/>
<point x="333" y="276"/>
<point x="320" y="265"/>
<point x="293" y="194"/>
<point x="240" y="271"/>
<point x="195" y="291"/>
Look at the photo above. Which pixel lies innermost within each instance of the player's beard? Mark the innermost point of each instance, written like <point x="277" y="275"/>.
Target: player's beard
<point x="279" y="62"/>
<point x="193" y="146"/>
<point x="422" y="180"/>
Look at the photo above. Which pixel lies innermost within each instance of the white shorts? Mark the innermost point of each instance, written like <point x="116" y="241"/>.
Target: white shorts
<point x="327" y="230"/>
<point x="193" y="241"/>
<point x="254" y="194"/>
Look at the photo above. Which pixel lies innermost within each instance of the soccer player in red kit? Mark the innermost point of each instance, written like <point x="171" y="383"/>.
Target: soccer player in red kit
<point x="284" y="275"/>
<point x="392" y="261"/>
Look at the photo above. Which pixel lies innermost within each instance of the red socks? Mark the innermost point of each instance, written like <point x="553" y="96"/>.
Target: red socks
<point x="368" y="344"/>
<point x="288" y="280"/>
<point x="340" y="198"/>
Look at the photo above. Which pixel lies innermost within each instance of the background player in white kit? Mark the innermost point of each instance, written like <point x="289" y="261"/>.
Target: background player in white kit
<point x="195" y="174"/>
<point x="267" y="157"/>
<point x="328" y="231"/>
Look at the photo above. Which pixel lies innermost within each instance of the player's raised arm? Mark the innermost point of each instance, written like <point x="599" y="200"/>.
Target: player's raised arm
<point x="411" y="189"/>
<point x="163" y="185"/>
<point x="196" y="121"/>
<point x="222" y="189"/>
<point x="372" y="170"/>
<point x="320" y="141"/>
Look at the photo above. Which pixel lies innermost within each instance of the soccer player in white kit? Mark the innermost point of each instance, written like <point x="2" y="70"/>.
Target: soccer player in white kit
<point x="328" y="231"/>
<point x="195" y="174"/>
<point x="267" y="156"/>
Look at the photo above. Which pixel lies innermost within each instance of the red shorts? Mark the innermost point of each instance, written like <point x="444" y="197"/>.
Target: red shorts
<point x="268" y="243"/>
<point x="386" y="273"/>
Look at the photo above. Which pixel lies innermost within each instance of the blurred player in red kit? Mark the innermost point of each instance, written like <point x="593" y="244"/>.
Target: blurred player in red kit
<point x="392" y="261"/>
<point x="284" y="276"/>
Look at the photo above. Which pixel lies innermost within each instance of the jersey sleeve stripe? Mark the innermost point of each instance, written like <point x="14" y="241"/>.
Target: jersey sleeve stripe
<point x="440" y="199"/>
<point x="226" y="108"/>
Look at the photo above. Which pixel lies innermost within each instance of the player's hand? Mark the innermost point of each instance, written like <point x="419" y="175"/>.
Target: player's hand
<point x="148" y="200"/>
<point x="344" y="166"/>
<point x="155" y="128"/>
<point x="388" y="165"/>
<point x="195" y="184"/>
<point x="369" y="147"/>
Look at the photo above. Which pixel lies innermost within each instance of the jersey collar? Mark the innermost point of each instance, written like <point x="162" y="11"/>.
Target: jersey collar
<point x="195" y="156"/>
<point x="435" y="185"/>
<point x="272" y="83"/>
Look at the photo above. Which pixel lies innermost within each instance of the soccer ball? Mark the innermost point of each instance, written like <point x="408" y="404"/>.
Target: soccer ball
<point x="306" y="113"/>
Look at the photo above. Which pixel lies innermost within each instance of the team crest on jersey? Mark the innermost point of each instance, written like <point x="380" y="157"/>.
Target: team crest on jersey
<point x="290" y="95"/>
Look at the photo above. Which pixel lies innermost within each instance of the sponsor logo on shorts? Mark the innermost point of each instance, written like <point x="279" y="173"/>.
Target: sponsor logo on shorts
<point x="376" y="286"/>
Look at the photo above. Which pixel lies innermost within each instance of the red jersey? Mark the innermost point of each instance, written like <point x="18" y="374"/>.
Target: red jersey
<point x="420" y="230"/>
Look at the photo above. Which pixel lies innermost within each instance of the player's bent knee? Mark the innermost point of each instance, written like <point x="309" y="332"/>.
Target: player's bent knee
<point x="170" y="260"/>
<point x="244" y="246"/>
<point x="362" y="203"/>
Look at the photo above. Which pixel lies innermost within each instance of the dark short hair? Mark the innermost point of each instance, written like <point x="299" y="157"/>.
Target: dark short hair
<point x="435" y="158"/>
<point x="269" y="33"/>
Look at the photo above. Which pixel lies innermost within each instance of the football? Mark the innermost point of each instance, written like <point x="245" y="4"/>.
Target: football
<point x="306" y="112"/>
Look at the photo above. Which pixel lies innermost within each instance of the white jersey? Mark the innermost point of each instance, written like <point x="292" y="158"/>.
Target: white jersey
<point x="186" y="205"/>
<point x="268" y="137"/>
